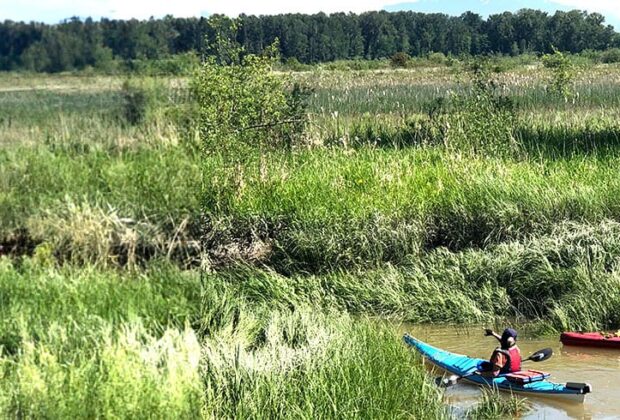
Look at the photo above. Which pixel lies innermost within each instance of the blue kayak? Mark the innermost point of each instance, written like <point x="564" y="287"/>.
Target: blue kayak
<point x="461" y="365"/>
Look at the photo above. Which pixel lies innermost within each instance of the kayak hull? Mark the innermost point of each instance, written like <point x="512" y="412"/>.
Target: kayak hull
<point x="589" y="340"/>
<point x="461" y="365"/>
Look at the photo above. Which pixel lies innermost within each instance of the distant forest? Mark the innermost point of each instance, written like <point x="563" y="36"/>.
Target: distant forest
<point x="76" y="44"/>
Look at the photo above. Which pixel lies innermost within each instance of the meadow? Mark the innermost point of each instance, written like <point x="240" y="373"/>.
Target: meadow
<point x="136" y="282"/>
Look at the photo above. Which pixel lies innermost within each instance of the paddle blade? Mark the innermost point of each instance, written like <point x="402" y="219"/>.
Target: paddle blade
<point x="446" y="382"/>
<point x="541" y="355"/>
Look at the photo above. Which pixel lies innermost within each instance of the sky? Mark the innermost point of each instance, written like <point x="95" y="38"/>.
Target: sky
<point x="52" y="11"/>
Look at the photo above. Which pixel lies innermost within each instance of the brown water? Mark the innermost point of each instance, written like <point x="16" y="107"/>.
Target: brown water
<point x="598" y="367"/>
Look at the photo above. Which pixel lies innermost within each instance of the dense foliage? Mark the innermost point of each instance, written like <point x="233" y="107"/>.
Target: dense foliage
<point x="244" y="103"/>
<point x="75" y="44"/>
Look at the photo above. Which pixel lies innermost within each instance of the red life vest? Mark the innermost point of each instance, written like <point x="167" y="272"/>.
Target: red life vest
<point x="513" y="359"/>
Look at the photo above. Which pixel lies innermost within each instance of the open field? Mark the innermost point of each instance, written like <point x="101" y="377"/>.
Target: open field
<point x="106" y="225"/>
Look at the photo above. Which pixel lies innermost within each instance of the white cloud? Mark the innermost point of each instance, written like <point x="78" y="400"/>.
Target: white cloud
<point x="609" y="8"/>
<point x="143" y="9"/>
<point x="54" y="10"/>
<point x="235" y="7"/>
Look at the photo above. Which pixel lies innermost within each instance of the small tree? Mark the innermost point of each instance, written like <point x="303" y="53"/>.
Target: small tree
<point x="480" y="119"/>
<point x="244" y="104"/>
<point x="562" y="73"/>
<point x="244" y="109"/>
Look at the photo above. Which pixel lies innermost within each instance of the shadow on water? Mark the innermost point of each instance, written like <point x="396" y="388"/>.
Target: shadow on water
<point x="599" y="367"/>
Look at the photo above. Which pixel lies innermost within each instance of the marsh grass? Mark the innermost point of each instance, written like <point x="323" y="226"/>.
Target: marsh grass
<point x="95" y="343"/>
<point x="382" y="205"/>
<point x="554" y="279"/>
<point x="369" y="219"/>
<point x="493" y="406"/>
<point x="294" y="212"/>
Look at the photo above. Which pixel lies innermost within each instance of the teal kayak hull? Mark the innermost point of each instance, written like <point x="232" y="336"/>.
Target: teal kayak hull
<point x="461" y="365"/>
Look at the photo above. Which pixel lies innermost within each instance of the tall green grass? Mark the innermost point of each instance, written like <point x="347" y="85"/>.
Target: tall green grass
<point x="493" y="406"/>
<point x="371" y="206"/>
<point x="100" y="205"/>
<point x="365" y="208"/>
<point x="405" y="93"/>
<point x="568" y="279"/>
<point x="85" y="343"/>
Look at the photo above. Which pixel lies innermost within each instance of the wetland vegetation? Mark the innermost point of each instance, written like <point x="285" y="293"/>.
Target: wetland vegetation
<point x="144" y="276"/>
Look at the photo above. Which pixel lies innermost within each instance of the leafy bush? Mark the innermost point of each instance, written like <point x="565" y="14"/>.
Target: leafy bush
<point x="176" y="65"/>
<point x="293" y="64"/>
<point x="400" y="60"/>
<point x="437" y="58"/>
<point x="244" y="104"/>
<point x="611" y="56"/>
<point x="562" y="73"/>
<point x="135" y="103"/>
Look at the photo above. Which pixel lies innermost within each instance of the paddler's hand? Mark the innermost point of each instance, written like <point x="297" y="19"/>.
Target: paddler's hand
<point x="488" y="332"/>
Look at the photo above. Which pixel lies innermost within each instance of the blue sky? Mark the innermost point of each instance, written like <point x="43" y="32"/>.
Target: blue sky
<point x="55" y="10"/>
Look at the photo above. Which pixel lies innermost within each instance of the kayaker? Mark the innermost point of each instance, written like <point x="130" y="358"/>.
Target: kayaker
<point x="507" y="357"/>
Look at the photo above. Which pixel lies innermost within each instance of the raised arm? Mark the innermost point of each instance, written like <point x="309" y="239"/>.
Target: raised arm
<point x="490" y="332"/>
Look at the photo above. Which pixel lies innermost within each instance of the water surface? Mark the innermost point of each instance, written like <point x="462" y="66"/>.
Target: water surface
<point x="599" y="367"/>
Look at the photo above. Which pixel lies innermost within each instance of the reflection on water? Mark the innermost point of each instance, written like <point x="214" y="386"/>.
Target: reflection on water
<point x="599" y="367"/>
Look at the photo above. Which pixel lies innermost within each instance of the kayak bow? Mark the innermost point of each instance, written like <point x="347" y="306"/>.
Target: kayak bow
<point x="590" y="339"/>
<point x="461" y="365"/>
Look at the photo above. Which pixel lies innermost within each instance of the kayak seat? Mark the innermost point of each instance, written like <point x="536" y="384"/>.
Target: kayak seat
<point x="526" y="376"/>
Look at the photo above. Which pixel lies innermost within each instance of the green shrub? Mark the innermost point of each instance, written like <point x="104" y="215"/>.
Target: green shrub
<point x="293" y="64"/>
<point x="562" y="74"/>
<point x="437" y="58"/>
<point x="243" y="104"/>
<point x="611" y="56"/>
<point x="400" y="60"/>
<point x="135" y="103"/>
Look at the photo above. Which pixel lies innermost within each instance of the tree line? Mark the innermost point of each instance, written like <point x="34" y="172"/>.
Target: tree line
<point x="76" y="44"/>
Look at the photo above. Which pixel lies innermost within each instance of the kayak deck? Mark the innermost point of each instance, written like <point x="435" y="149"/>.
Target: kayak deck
<point x="463" y="365"/>
<point x="590" y="339"/>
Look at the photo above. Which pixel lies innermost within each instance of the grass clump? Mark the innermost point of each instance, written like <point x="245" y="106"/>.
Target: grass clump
<point x="130" y="374"/>
<point x="347" y="369"/>
<point x="493" y="406"/>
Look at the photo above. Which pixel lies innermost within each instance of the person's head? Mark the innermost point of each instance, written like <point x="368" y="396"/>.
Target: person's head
<point x="509" y="338"/>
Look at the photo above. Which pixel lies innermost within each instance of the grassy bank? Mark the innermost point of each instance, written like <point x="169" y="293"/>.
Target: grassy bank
<point x="372" y="206"/>
<point x="567" y="280"/>
<point x="89" y="343"/>
<point x="295" y="212"/>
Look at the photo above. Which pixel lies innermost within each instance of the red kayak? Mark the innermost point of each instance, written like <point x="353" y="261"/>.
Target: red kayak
<point x="591" y="339"/>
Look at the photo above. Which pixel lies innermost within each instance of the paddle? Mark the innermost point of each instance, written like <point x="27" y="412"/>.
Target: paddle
<point x="538" y="356"/>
